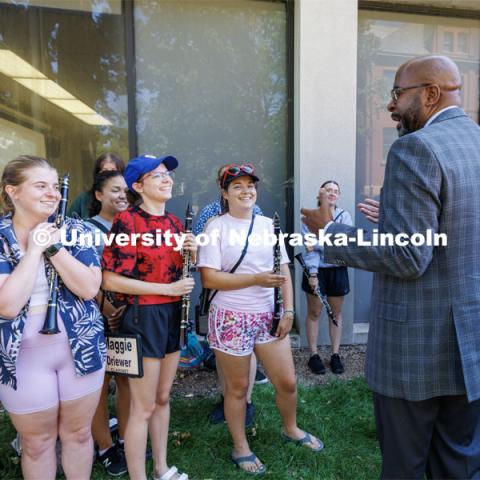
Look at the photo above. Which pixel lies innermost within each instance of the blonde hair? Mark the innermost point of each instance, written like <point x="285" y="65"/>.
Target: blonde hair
<point x="14" y="174"/>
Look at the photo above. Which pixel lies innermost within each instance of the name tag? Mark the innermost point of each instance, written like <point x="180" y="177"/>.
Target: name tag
<point x="124" y="354"/>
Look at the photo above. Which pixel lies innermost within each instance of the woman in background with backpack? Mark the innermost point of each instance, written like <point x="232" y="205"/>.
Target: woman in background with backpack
<point x="333" y="282"/>
<point x="109" y="198"/>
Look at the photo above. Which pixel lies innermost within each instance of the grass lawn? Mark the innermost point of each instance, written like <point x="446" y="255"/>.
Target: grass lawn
<point x="340" y="413"/>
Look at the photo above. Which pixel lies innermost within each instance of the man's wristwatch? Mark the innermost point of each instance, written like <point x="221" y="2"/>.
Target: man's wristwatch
<point x="53" y="249"/>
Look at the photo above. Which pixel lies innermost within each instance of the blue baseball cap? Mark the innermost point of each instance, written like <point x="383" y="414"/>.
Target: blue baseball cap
<point x="145" y="163"/>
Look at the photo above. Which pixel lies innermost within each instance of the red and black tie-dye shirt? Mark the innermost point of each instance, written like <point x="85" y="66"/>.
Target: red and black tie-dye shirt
<point x="155" y="263"/>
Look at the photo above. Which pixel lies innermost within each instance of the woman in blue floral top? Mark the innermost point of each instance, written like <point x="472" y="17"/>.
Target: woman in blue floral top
<point x="49" y="384"/>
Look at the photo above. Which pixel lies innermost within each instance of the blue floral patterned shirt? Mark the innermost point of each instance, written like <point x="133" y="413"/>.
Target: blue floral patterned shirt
<point x="82" y="319"/>
<point x="213" y="210"/>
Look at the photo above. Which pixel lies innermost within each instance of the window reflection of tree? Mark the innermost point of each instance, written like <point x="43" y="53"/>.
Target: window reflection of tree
<point x="211" y="88"/>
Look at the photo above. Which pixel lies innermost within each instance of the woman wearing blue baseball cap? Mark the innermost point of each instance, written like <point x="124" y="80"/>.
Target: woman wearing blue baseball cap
<point x="147" y="277"/>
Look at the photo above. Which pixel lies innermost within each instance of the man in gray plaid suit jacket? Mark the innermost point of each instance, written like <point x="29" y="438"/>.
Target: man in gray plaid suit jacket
<point x="423" y="356"/>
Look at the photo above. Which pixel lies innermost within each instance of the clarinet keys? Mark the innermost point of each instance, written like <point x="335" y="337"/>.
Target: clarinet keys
<point x="186" y="273"/>
<point x="277" y="291"/>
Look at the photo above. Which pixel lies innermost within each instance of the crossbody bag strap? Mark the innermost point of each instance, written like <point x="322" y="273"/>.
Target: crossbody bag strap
<point x="242" y="256"/>
<point x="338" y="216"/>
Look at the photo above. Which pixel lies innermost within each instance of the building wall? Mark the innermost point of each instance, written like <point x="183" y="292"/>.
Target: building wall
<point x="325" y="118"/>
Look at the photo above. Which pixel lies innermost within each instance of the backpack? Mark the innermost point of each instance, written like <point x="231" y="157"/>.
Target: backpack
<point x="193" y="354"/>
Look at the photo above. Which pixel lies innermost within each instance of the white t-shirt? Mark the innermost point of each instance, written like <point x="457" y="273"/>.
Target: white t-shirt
<point x="222" y="255"/>
<point x="41" y="291"/>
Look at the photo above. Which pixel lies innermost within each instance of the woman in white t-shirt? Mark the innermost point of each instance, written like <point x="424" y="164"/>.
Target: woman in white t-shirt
<point x="241" y="312"/>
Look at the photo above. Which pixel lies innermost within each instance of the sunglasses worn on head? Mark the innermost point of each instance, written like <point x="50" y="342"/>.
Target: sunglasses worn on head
<point x="234" y="170"/>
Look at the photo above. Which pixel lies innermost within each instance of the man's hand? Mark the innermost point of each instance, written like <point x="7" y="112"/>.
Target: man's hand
<point x="370" y="208"/>
<point x="316" y="219"/>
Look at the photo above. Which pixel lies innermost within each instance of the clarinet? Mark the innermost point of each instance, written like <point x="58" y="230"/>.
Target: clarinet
<point x="277" y="291"/>
<point x="50" y="326"/>
<point x="186" y="273"/>
<point x="317" y="291"/>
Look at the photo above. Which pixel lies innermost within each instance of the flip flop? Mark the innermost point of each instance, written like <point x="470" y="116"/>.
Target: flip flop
<point x="306" y="441"/>
<point x="170" y="473"/>
<point x="249" y="459"/>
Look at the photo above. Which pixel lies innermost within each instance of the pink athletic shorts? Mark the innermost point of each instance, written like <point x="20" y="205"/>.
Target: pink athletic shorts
<point x="45" y="371"/>
<point x="236" y="333"/>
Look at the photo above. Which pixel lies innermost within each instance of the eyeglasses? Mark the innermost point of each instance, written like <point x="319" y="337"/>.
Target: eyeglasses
<point x="396" y="92"/>
<point x="234" y="170"/>
<point x="160" y="175"/>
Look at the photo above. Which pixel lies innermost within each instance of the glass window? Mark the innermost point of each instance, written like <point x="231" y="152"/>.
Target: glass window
<point x="389" y="136"/>
<point x="385" y="41"/>
<point x="462" y="42"/>
<point x="212" y="89"/>
<point x="62" y="83"/>
<point x="448" y="42"/>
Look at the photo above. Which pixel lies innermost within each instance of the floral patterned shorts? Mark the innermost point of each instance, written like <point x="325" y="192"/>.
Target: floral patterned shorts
<point x="236" y="333"/>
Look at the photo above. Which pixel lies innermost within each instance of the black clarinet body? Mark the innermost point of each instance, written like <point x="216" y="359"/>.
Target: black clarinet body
<point x="277" y="291"/>
<point x="317" y="291"/>
<point x="186" y="273"/>
<point x="50" y="326"/>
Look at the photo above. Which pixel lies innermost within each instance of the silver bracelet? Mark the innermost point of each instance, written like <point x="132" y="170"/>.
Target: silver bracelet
<point x="289" y="311"/>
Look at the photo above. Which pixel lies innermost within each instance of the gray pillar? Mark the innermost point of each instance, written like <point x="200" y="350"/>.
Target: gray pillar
<point x="325" y="119"/>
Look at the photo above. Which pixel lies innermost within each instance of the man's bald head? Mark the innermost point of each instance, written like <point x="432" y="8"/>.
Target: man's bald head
<point x="433" y="69"/>
<point x="423" y="87"/>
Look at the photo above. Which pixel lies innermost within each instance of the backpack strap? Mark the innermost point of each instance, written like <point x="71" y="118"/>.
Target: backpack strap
<point x="172" y="223"/>
<point x="99" y="225"/>
<point x="135" y="272"/>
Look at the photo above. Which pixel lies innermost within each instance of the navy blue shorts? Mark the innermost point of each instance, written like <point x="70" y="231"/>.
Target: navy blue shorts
<point x="158" y="327"/>
<point x="333" y="282"/>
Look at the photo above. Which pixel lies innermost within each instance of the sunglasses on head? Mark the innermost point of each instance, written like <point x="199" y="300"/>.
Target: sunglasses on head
<point x="234" y="170"/>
